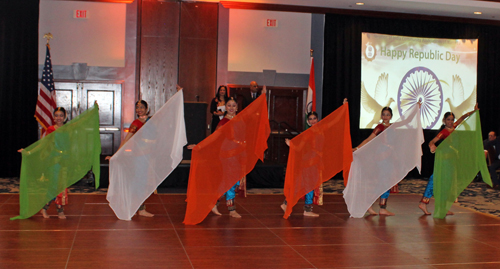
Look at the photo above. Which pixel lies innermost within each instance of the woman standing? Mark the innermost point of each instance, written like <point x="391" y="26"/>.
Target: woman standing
<point x="386" y="117"/>
<point x="448" y="127"/>
<point x="218" y="107"/>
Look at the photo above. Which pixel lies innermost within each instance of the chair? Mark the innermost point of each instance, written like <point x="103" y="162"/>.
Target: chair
<point x="491" y="154"/>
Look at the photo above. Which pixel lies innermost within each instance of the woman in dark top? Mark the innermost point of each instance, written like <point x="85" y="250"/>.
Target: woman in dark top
<point x="218" y="106"/>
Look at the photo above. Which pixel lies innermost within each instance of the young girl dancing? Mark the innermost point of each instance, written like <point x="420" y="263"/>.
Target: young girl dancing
<point x="312" y="119"/>
<point x="386" y="116"/>
<point x="141" y="109"/>
<point x="60" y="118"/>
<point x="448" y="127"/>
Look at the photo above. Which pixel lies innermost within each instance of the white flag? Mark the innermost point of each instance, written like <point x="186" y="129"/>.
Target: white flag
<point x="139" y="167"/>
<point x="383" y="162"/>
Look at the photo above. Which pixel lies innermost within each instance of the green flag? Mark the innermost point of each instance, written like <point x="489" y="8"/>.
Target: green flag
<point x="58" y="161"/>
<point x="458" y="160"/>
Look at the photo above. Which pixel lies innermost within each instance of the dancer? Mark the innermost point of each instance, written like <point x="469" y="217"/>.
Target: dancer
<point x="386" y="117"/>
<point x="448" y="127"/>
<point x="141" y="109"/>
<point x="60" y="118"/>
<point x="231" y="109"/>
<point x="312" y="119"/>
<point x="218" y="107"/>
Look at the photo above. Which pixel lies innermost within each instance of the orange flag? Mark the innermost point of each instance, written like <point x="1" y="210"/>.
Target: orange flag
<point x="223" y="158"/>
<point x="318" y="154"/>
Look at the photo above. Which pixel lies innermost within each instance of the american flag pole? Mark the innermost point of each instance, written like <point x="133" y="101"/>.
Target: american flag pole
<point x="46" y="103"/>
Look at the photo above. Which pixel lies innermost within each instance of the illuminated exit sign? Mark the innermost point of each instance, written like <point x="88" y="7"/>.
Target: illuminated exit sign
<point x="271" y="23"/>
<point x="80" y="14"/>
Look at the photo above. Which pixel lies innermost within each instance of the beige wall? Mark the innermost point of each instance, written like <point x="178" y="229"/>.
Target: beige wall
<point x="98" y="40"/>
<point x="254" y="47"/>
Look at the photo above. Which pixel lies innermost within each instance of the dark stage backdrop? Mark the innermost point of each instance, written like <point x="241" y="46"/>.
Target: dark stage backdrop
<point x="18" y="80"/>
<point x="342" y="67"/>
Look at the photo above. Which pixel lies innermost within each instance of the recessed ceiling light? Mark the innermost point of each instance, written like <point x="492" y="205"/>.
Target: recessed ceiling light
<point x="360" y="4"/>
<point x="478" y="12"/>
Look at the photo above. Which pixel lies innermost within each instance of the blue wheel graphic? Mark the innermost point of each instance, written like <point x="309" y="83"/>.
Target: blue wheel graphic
<point x="421" y="84"/>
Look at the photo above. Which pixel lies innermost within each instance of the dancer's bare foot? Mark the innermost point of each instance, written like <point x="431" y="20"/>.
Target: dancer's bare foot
<point x="385" y="212"/>
<point x="145" y="213"/>
<point x="61" y="215"/>
<point x="423" y="207"/>
<point x="44" y="213"/>
<point x="215" y="210"/>
<point x="310" y="214"/>
<point x="234" y="214"/>
<point x="450" y="213"/>
<point x="283" y="206"/>
<point x="371" y="211"/>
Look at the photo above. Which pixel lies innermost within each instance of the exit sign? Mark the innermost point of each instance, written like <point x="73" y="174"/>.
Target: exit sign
<point x="80" y="14"/>
<point x="271" y="23"/>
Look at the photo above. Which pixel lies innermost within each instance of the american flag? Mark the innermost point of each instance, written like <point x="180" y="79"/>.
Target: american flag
<point x="46" y="103"/>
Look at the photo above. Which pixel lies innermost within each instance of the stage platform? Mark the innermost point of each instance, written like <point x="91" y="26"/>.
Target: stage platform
<point x="92" y="237"/>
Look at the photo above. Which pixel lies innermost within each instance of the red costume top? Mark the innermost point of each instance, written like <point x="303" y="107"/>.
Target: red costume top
<point x="136" y="125"/>
<point x="222" y="122"/>
<point x="445" y="132"/>
<point x="50" y="129"/>
<point x="379" y="129"/>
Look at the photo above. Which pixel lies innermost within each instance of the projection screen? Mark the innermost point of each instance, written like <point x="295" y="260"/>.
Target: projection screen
<point x="398" y="71"/>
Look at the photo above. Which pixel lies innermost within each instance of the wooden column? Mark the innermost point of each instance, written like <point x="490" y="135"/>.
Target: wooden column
<point x="159" y="51"/>
<point x="198" y="51"/>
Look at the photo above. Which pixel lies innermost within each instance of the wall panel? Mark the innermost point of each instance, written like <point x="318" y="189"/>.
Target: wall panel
<point x="159" y="43"/>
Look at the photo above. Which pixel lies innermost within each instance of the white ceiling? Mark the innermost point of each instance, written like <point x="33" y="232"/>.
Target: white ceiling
<point x="449" y="8"/>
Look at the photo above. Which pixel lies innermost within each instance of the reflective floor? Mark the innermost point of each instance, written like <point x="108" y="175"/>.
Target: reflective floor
<point x="92" y="237"/>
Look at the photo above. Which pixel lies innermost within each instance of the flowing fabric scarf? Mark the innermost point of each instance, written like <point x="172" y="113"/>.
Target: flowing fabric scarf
<point x="224" y="157"/>
<point x="141" y="165"/>
<point x="383" y="162"/>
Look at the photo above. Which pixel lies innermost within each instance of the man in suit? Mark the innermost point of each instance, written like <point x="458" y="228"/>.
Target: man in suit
<point x="491" y="137"/>
<point x="492" y="145"/>
<point x="249" y="97"/>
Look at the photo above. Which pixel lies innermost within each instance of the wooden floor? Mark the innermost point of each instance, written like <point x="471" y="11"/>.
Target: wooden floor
<point x="92" y="237"/>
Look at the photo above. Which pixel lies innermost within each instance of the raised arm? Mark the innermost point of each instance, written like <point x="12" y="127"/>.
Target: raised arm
<point x="464" y="116"/>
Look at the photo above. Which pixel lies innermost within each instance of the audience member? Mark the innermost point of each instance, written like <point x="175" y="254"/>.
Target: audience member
<point x="218" y="107"/>
<point x="492" y="146"/>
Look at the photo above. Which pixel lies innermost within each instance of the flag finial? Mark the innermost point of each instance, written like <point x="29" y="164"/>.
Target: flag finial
<point x="48" y="36"/>
<point x="311" y="52"/>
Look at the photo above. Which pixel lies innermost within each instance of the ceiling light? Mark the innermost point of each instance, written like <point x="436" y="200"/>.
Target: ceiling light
<point x="360" y="4"/>
<point x="478" y="12"/>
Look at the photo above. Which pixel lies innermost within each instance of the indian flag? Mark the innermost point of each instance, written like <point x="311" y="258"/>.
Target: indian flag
<point x="311" y="92"/>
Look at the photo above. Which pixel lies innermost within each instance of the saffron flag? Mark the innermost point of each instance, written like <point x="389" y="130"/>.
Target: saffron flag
<point x="223" y="158"/>
<point x="58" y="161"/>
<point x="458" y="160"/>
<point x="384" y="161"/>
<point x="141" y="164"/>
<point x="46" y="102"/>
<point x="318" y="154"/>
